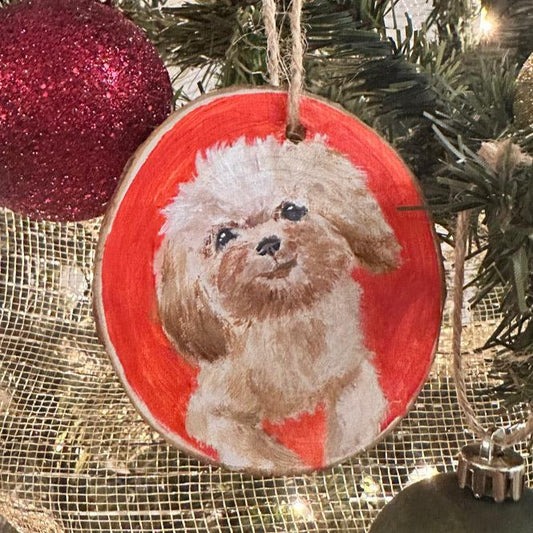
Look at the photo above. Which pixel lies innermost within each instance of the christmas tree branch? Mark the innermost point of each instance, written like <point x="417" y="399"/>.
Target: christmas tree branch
<point x="349" y="59"/>
<point x="496" y="187"/>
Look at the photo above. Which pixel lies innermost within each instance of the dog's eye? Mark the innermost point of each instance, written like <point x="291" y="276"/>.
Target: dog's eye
<point x="224" y="236"/>
<point x="293" y="212"/>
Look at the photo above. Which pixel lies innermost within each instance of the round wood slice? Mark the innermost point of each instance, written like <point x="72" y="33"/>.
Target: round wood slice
<point x="270" y="306"/>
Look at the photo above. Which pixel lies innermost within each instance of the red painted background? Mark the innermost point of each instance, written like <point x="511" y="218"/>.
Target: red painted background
<point x="401" y="309"/>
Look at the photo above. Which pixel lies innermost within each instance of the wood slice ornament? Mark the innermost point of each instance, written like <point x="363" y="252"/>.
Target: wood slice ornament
<point x="268" y="305"/>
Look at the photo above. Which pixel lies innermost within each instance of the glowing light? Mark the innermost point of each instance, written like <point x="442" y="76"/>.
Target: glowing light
<point x="487" y="24"/>
<point x="421" y="472"/>
<point x="370" y="486"/>
<point x="301" y="510"/>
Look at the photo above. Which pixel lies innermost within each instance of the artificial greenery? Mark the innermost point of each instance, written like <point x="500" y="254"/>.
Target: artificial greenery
<point x="436" y="92"/>
<point x="348" y="56"/>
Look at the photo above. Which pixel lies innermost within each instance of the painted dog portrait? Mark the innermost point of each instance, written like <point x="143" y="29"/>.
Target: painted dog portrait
<point x="255" y="288"/>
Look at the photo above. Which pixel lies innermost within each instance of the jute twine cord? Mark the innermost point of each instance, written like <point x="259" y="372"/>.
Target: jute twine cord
<point x="297" y="67"/>
<point x="521" y="432"/>
<point x="295" y="130"/>
<point x="273" y="48"/>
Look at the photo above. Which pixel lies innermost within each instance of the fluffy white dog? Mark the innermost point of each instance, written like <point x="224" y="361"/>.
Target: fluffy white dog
<point x="254" y="286"/>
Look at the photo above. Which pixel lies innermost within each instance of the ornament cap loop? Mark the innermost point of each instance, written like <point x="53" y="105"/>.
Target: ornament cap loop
<point x="486" y="448"/>
<point x="490" y="470"/>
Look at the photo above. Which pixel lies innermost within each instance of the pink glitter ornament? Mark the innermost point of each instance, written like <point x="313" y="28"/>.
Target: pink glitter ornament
<point x="80" y="88"/>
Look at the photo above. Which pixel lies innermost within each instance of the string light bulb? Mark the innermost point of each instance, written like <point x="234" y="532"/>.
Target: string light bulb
<point x="421" y="472"/>
<point x="302" y="510"/>
<point x="487" y="25"/>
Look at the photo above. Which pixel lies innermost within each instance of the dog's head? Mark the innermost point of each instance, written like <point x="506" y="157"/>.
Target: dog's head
<point x="263" y="231"/>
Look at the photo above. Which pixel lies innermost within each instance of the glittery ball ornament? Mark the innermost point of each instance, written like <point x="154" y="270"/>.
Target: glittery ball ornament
<point x="523" y="100"/>
<point x="80" y="88"/>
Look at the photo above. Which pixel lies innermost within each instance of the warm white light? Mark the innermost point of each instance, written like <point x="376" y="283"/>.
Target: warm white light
<point x="301" y="510"/>
<point x="421" y="472"/>
<point x="487" y="24"/>
<point x="370" y="486"/>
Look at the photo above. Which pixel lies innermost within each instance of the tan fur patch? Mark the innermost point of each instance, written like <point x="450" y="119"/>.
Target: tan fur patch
<point x="187" y="317"/>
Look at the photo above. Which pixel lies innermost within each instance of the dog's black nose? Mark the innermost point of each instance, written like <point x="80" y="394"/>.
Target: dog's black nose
<point x="269" y="245"/>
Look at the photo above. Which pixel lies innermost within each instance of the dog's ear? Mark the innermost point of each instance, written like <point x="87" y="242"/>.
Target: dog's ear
<point x="188" y="319"/>
<point x="338" y="191"/>
<point x="354" y="212"/>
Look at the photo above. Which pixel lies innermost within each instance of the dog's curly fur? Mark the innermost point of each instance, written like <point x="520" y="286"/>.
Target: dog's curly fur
<point x="254" y="286"/>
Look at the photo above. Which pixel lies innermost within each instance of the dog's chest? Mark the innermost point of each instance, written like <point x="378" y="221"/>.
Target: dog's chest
<point x="293" y="363"/>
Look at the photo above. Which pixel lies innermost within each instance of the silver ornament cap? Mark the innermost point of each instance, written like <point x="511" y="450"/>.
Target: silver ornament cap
<point x="491" y="471"/>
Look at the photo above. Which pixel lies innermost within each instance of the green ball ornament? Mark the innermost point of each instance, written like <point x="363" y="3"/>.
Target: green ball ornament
<point x="439" y="505"/>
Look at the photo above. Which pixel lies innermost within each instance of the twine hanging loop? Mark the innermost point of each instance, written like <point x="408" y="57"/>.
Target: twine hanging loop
<point x="295" y="130"/>
<point x="501" y="437"/>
